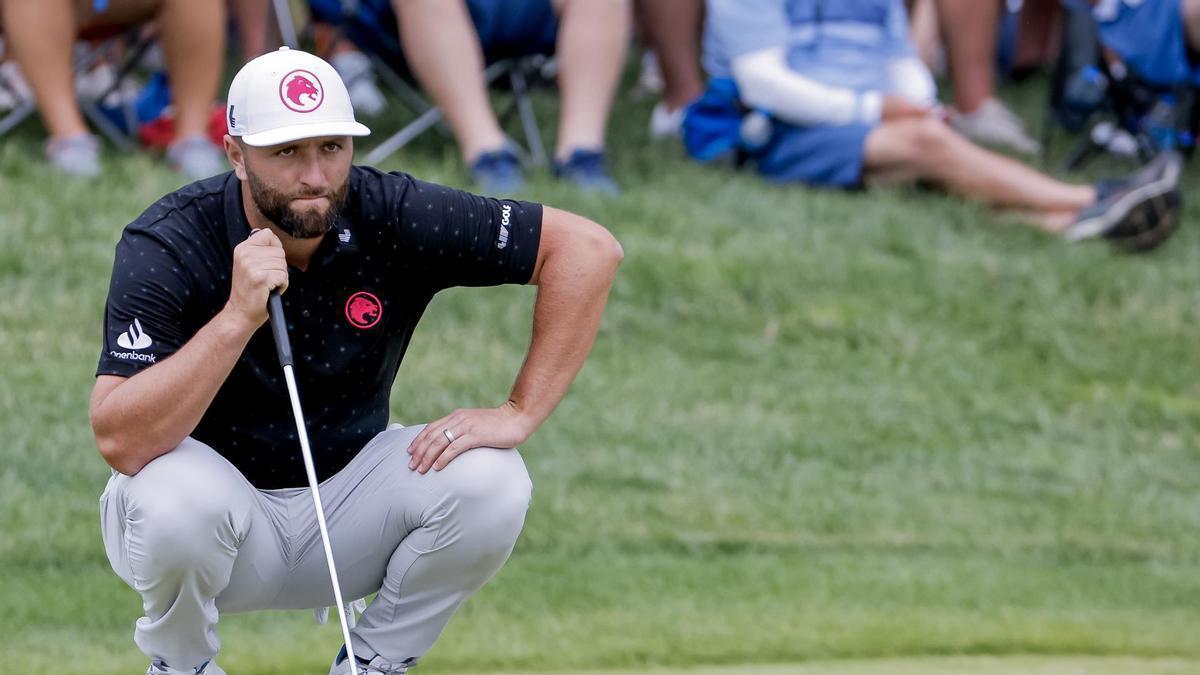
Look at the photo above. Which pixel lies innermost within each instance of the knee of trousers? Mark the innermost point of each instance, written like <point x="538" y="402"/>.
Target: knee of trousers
<point x="488" y="494"/>
<point x="181" y="510"/>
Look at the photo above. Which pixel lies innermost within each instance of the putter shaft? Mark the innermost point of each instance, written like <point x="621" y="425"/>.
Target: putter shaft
<point x="284" y="348"/>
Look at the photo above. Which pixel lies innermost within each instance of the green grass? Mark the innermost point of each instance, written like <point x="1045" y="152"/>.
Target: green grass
<point x="816" y="426"/>
<point x="977" y="665"/>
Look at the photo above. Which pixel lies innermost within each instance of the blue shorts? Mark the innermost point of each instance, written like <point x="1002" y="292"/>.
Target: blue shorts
<point x="823" y="156"/>
<point x="506" y="28"/>
<point x="509" y="28"/>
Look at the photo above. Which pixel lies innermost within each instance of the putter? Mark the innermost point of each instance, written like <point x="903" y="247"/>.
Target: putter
<point x="283" y="347"/>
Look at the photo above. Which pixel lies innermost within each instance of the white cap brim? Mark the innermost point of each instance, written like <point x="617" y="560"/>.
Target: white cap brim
<point x="297" y="132"/>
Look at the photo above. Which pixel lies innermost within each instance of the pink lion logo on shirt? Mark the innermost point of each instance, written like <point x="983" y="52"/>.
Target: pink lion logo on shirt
<point x="363" y="310"/>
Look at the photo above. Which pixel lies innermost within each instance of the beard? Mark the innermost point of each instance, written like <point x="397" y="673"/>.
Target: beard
<point x="310" y="223"/>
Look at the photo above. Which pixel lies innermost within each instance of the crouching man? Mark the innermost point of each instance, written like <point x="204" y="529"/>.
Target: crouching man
<point x="206" y="511"/>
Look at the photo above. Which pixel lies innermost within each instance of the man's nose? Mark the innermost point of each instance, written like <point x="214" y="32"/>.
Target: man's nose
<point x="311" y="175"/>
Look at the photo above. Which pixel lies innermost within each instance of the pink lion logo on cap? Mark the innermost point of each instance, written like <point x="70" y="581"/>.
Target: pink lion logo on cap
<point x="301" y="91"/>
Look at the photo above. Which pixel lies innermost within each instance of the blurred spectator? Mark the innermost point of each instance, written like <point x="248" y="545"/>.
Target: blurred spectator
<point x="1129" y="77"/>
<point x="1159" y="40"/>
<point x="444" y="42"/>
<point x="836" y="96"/>
<point x="41" y="33"/>
<point x="255" y="32"/>
<point x="672" y="30"/>
<point x="968" y="30"/>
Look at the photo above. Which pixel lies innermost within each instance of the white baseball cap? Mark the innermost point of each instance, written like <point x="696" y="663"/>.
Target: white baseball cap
<point x="288" y="95"/>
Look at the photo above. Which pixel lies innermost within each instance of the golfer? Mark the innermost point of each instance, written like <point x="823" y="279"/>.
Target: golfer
<point x="207" y="510"/>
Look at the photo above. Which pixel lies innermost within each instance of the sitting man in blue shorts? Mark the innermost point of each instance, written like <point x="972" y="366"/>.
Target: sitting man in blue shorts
<point x="1156" y="39"/>
<point x="445" y="43"/>
<point x="830" y="93"/>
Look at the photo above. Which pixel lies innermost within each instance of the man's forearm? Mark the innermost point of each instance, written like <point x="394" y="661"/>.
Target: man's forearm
<point x="572" y="291"/>
<point x="150" y="413"/>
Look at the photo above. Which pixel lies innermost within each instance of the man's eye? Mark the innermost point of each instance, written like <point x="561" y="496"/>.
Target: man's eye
<point x="286" y="152"/>
<point x="333" y="147"/>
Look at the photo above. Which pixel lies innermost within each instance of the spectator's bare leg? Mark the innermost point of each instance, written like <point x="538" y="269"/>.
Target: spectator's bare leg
<point x="253" y="30"/>
<point x="592" y="38"/>
<point x="192" y="35"/>
<point x="673" y="29"/>
<point x="969" y="34"/>
<point x="928" y="149"/>
<point x="1040" y="39"/>
<point x="923" y="20"/>
<point x="1191" y="22"/>
<point x="40" y="36"/>
<point x="443" y="50"/>
<point x="193" y="40"/>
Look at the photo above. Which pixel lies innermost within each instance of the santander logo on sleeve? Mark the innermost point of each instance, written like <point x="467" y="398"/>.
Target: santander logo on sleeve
<point x="134" y="339"/>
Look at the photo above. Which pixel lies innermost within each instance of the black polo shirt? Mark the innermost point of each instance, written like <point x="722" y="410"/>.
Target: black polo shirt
<point x="350" y="314"/>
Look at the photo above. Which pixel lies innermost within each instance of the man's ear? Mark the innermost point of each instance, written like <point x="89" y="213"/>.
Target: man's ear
<point x="236" y="154"/>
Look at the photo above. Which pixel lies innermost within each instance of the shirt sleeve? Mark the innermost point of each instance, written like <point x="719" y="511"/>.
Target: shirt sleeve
<point x="463" y="239"/>
<point x="766" y="82"/>
<point x="143" y="316"/>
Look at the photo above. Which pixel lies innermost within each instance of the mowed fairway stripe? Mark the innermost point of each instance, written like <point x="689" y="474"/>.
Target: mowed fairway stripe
<point x="957" y="665"/>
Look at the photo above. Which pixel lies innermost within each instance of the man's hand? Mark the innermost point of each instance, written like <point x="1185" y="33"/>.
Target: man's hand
<point x="259" y="267"/>
<point x="502" y="427"/>
<point x="577" y="260"/>
<point x="897" y="108"/>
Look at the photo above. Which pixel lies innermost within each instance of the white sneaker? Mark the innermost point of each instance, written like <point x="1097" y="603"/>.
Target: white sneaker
<point x="77" y="156"/>
<point x="666" y="123"/>
<point x="650" y="78"/>
<point x="994" y="124"/>
<point x="90" y="85"/>
<point x="14" y="90"/>
<point x="377" y="666"/>
<point x="356" y="71"/>
<point x="196" y="157"/>
<point x="209" y="668"/>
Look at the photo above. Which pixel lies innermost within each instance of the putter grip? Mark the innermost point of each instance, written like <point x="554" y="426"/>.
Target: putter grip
<point x="283" y="346"/>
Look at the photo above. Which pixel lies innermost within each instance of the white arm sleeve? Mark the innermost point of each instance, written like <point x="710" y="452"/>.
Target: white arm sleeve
<point x="765" y="81"/>
<point x="912" y="80"/>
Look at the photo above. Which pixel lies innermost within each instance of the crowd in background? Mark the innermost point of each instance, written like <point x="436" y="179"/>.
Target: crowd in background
<point x="834" y="93"/>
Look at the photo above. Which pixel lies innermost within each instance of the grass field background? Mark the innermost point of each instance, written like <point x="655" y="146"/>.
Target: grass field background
<point x="816" y="426"/>
<point x="948" y="665"/>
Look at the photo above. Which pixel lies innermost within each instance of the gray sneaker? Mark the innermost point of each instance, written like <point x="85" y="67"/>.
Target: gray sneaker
<point x="207" y="668"/>
<point x="1137" y="213"/>
<point x="77" y="156"/>
<point x="196" y="157"/>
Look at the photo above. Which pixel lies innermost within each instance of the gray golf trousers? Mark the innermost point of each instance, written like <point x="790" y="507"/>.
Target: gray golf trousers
<point x="196" y="539"/>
